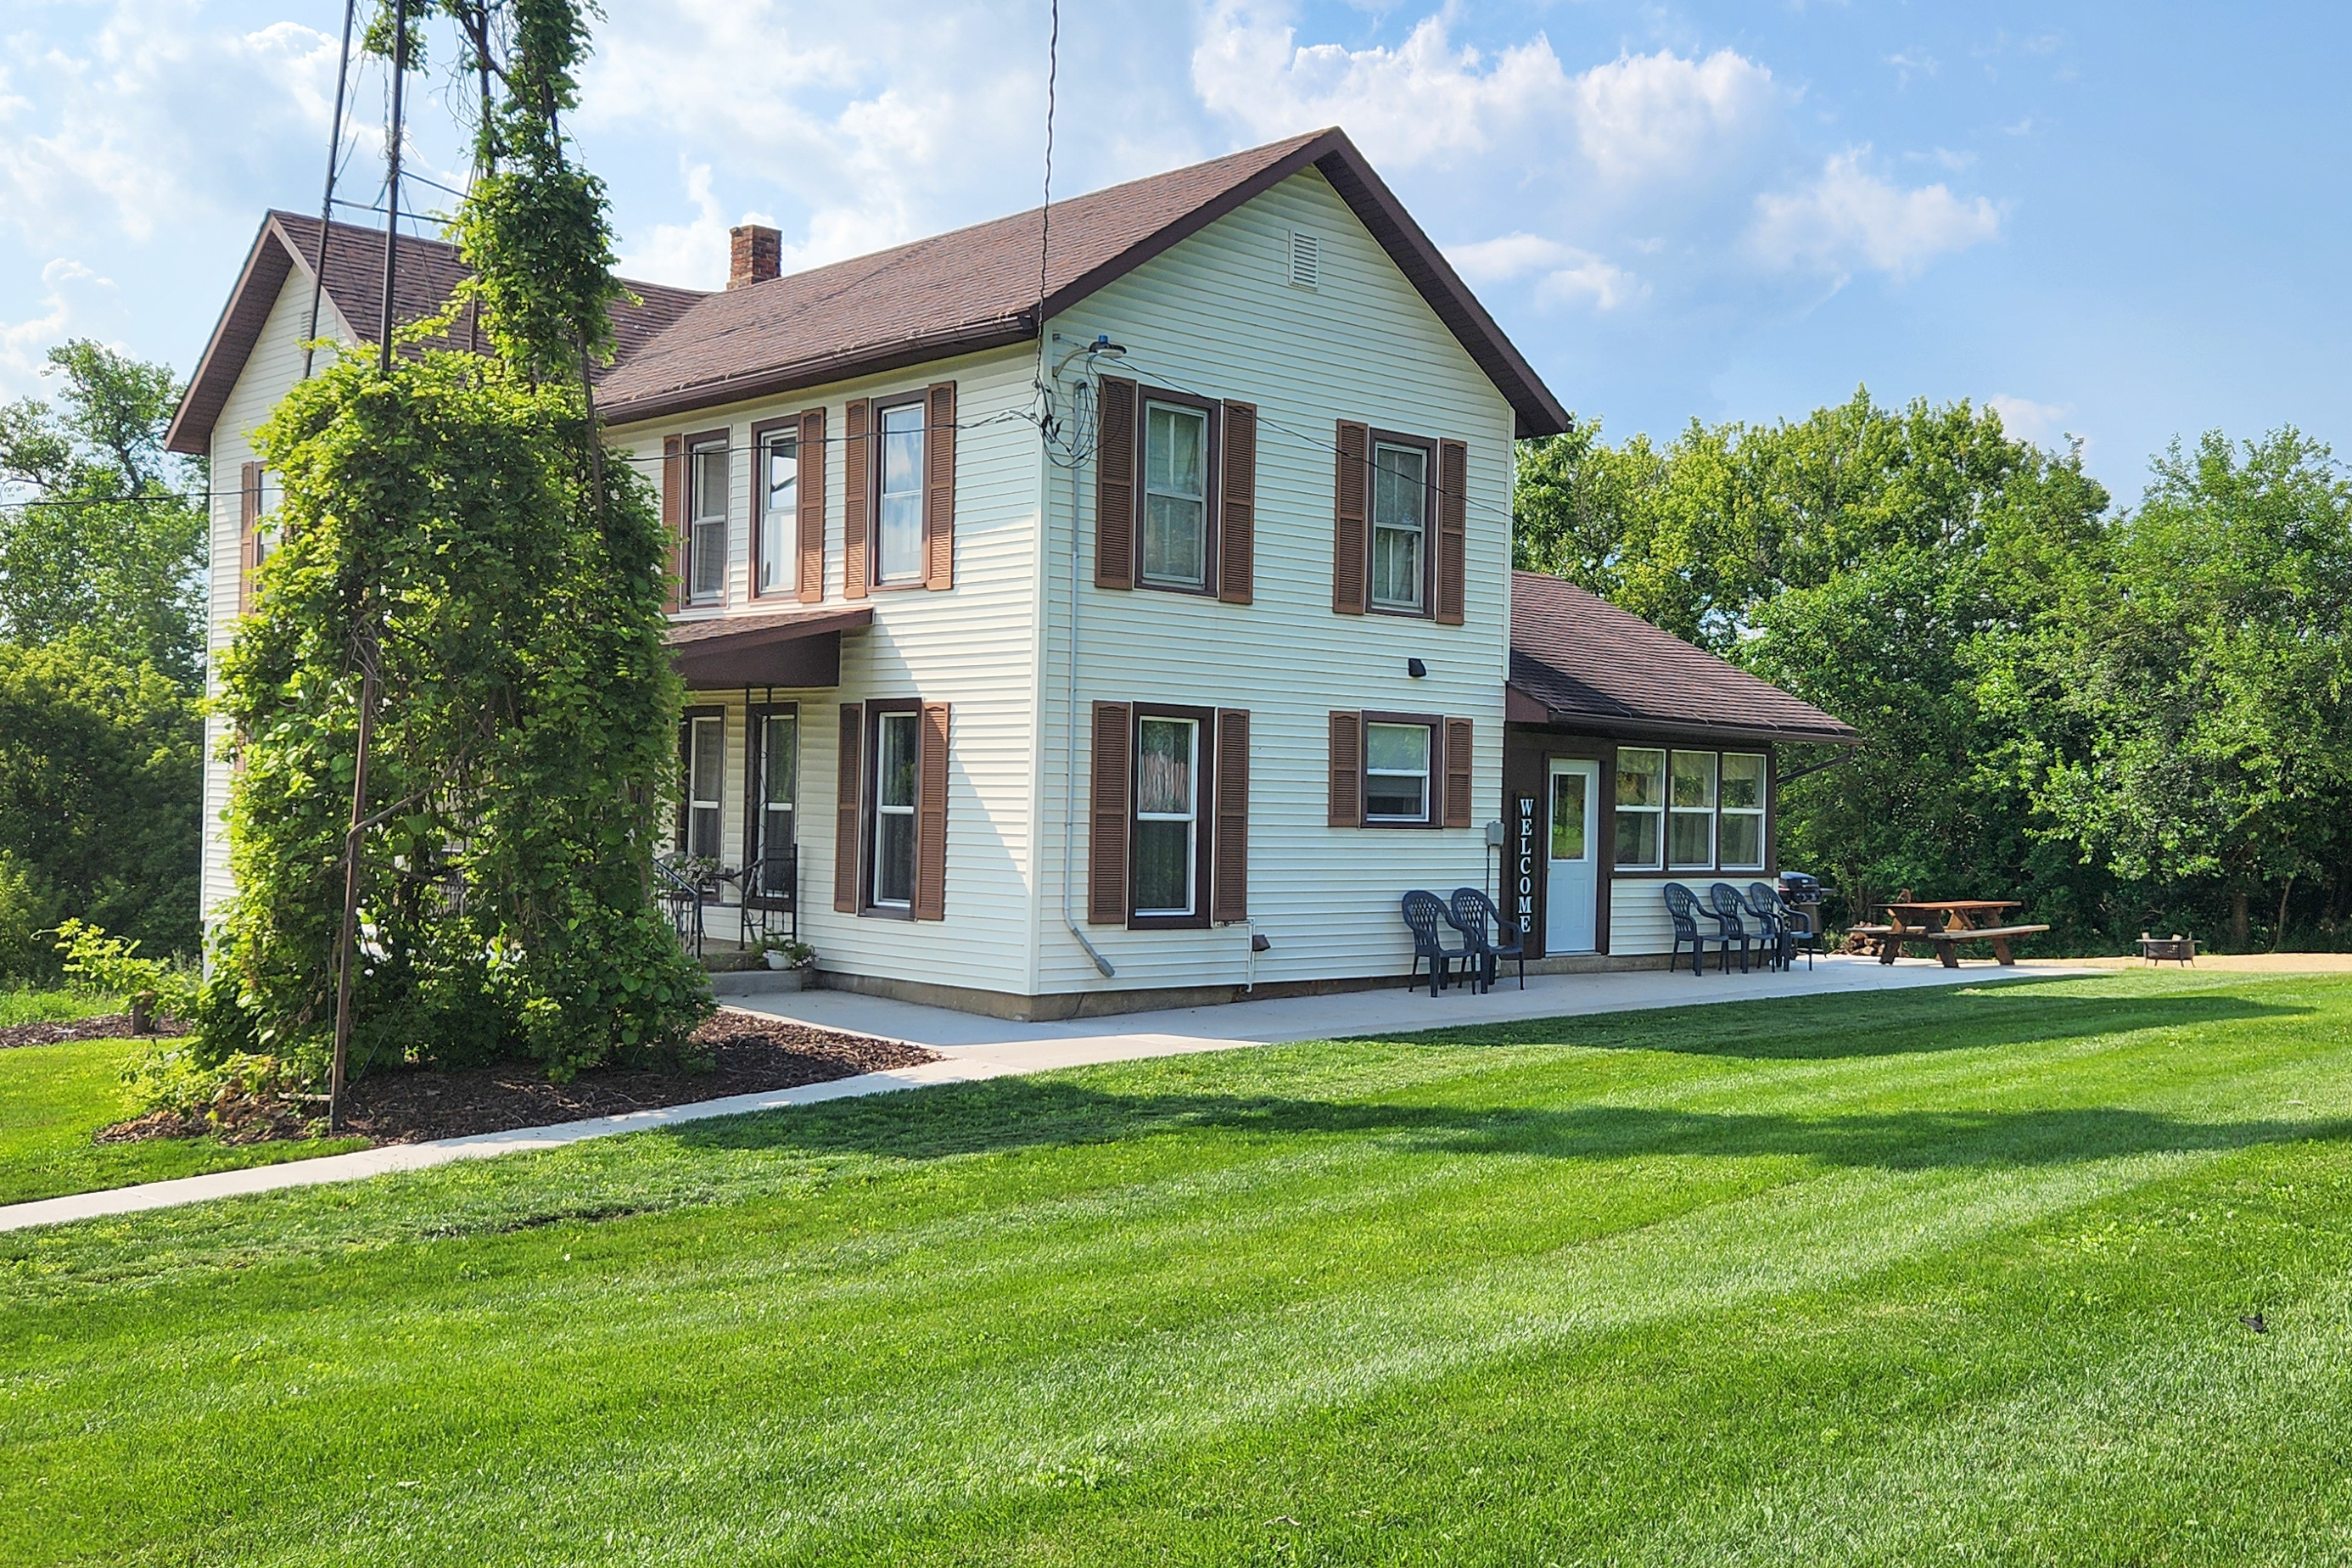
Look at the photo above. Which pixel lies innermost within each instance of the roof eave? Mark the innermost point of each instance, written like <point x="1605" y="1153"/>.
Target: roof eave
<point x="1649" y="728"/>
<point x="202" y="400"/>
<point x="866" y="360"/>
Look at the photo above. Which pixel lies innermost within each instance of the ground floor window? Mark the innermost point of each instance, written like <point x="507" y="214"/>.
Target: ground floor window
<point x="1739" y="836"/>
<point x="1691" y="810"/>
<point x="771" y="799"/>
<point x="1165" y="866"/>
<point x="703" y="743"/>
<point x="1641" y="808"/>
<point x="1396" y="772"/>
<point x="895" y="754"/>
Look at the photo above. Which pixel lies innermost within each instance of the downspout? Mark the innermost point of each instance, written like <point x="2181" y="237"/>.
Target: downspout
<point x="1070" y="773"/>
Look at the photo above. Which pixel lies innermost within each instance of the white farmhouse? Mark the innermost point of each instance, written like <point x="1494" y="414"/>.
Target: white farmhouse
<point x="1175" y="700"/>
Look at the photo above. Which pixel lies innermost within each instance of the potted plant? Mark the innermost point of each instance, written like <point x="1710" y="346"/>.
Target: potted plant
<point x="783" y="952"/>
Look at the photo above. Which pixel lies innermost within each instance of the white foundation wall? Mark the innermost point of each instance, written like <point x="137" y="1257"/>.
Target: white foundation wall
<point x="1217" y="316"/>
<point x="972" y="646"/>
<point x="273" y="368"/>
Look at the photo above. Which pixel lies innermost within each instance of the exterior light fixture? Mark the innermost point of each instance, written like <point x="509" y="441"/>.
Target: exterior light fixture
<point x="1415" y="668"/>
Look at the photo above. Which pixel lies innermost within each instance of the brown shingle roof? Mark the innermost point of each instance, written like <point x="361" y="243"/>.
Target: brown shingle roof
<point x="429" y="270"/>
<point x="1587" y="662"/>
<point x="978" y="288"/>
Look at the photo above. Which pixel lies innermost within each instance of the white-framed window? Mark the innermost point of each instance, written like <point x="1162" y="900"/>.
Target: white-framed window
<point x="705" y="538"/>
<point x="894" y="757"/>
<point x="706" y="778"/>
<point x="899" y="488"/>
<point x="1739" y="837"/>
<point x="1690" y="810"/>
<point x="1396" y="772"/>
<point x="1399" y="526"/>
<point x="1175" y="534"/>
<point x="1167" y="842"/>
<point x="1641" y="808"/>
<point x="776" y="734"/>
<point x="780" y="500"/>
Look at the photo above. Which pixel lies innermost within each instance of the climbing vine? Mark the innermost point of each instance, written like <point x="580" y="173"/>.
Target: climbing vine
<point x="454" y="529"/>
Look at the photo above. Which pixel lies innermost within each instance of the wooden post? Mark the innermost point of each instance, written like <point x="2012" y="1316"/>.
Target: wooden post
<point x="350" y="933"/>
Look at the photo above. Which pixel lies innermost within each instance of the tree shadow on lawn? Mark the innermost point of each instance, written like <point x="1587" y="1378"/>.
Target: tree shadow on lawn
<point x="1832" y="1028"/>
<point x="1006" y="1114"/>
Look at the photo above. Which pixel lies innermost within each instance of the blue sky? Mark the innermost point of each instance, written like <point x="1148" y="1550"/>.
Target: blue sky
<point x="2117" y="222"/>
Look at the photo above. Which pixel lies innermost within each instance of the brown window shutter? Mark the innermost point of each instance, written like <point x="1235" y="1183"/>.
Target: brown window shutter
<point x="674" y="515"/>
<point x="931" y="814"/>
<point x="939" y="486"/>
<point x="1346" y="770"/>
<point x="1115" y="489"/>
<point x="849" y="806"/>
<point x="1458" y="772"/>
<point x="1351" y="496"/>
<point x="1452" y="530"/>
<point x="1237" y="511"/>
<point x="856" y="477"/>
<point x="811" y="540"/>
<point x="1229" y="875"/>
<point x="1108" y="801"/>
<point x="248" y="528"/>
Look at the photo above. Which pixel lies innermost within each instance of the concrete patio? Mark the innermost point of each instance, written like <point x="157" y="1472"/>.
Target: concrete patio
<point x="973" y="1048"/>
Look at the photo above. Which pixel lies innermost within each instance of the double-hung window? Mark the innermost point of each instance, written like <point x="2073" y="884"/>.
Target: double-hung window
<point x="706" y="775"/>
<point x="898" y="486"/>
<point x="1690" y="810"/>
<point x="896" y="743"/>
<point x="705" y="538"/>
<point x="1641" y="809"/>
<point x="1175" y="531"/>
<point x="1400" y="526"/>
<point x="780" y="497"/>
<point x="1167" y="854"/>
<point x="1397" y="772"/>
<point x="775" y="760"/>
<point x="1739" y="838"/>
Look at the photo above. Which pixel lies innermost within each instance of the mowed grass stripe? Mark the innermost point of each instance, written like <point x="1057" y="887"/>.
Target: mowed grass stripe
<point x="986" y="1323"/>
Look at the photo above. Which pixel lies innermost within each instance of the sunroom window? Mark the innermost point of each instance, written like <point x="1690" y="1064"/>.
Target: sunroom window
<point x="1641" y="808"/>
<point x="1741" y="841"/>
<point x="1690" y="817"/>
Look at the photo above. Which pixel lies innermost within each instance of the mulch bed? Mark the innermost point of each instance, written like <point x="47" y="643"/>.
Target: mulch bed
<point x="105" y="1026"/>
<point x="747" y="1054"/>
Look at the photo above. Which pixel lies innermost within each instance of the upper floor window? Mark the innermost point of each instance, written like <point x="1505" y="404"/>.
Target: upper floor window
<point x="1175" y="496"/>
<point x="779" y="479"/>
<point x="1400" y="526"/>
<point x="705" y="542"/>
<point x="899" y="487"/>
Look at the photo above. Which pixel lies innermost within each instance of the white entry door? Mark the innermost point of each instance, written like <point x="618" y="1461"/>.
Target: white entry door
<point x="1571" y="888"/>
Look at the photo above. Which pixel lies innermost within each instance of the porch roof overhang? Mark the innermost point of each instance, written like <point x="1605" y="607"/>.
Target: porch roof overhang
<point x="1523" y="707"/>
<point x="785" y="647"/>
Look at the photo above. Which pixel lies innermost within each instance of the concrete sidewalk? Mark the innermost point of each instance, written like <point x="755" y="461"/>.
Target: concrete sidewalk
<point x="974" y="1047"/>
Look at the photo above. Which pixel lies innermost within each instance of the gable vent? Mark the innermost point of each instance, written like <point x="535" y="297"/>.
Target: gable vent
<point x="1305" y="260"/>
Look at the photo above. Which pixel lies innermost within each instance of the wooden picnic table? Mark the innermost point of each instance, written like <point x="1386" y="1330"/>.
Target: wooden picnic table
<point x="1916" y="920"/>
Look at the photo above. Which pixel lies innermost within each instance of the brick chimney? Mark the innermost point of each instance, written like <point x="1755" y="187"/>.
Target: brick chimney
<point x="754" y="253"/>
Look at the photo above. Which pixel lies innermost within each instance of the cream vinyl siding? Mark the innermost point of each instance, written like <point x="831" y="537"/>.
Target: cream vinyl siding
<point x="275" y="366"/>
<point x="972" y="646"/>
<point x="1637" y="910"/>
<point x="1217" y="315"/>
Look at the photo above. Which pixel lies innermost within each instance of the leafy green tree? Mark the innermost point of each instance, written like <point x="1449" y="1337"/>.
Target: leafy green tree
<point x="101" y="530"/>
<point x="2215" y="672"/>
<point x="100" y="775"/>
<point x="1898" y="568"/>
<point x="453" y="526"/>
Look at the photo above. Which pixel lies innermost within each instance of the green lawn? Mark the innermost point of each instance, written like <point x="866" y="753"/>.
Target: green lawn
<point x="52" y="1097"/>
<point x="1936" y="1277"/>
<point x="25" y="1005"/>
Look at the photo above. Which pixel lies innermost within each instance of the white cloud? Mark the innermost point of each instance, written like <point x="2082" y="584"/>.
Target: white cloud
<point x="693" y="253"/>
<point x="1849" y="218"/>
<point x="1421" y="102"/>
<point x="1563" y="273"/>
<point x="2026" y="420"/>
<point x="65" y="304"/>
<point x="1648" y="116"/>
